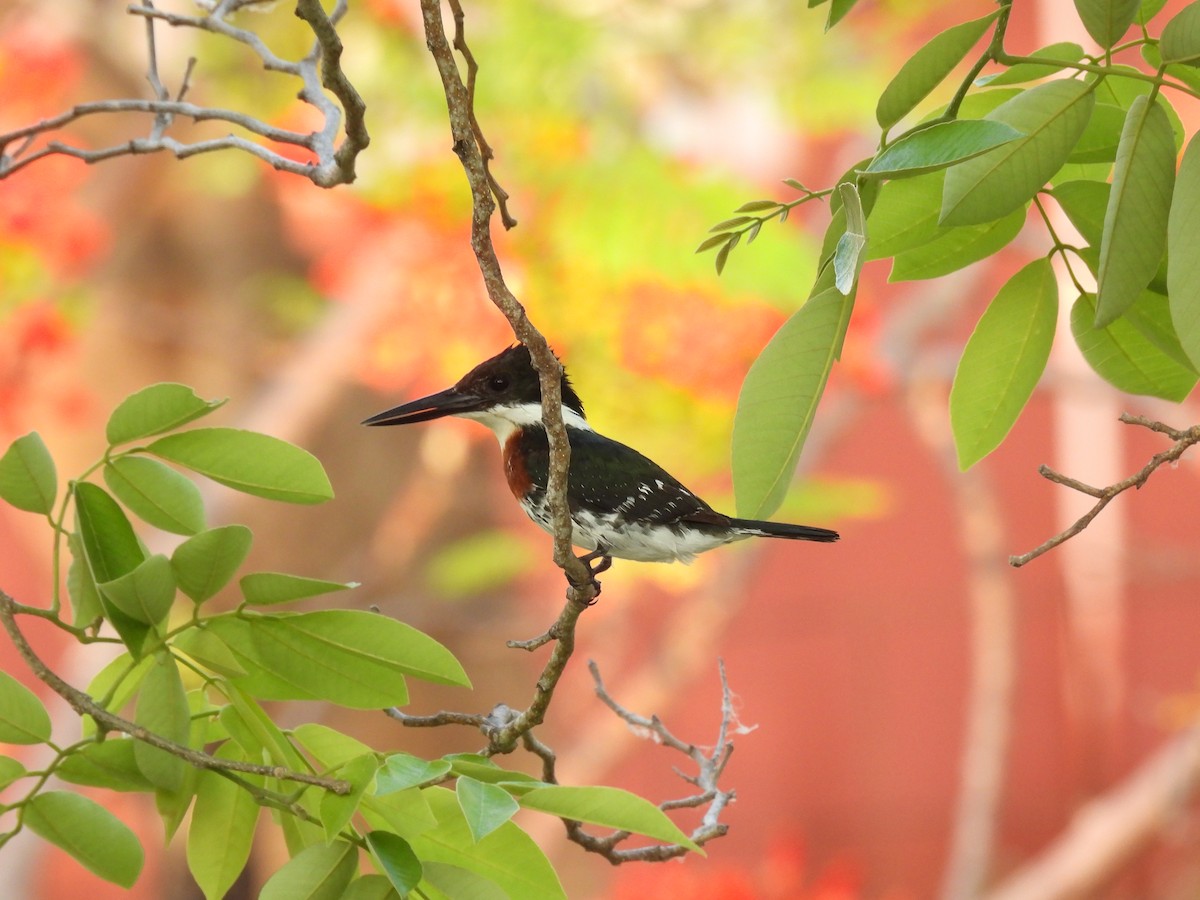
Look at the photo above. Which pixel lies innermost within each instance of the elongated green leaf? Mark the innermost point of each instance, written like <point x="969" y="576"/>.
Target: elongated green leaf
<point x="112" y="550"/>
<point x="28" y="479"/>
<point x="329" y="747"/>
<point x="397" y="860"/>
<point x="266" y="588"/>
<point x="23" y="719"/>
<point x="940" y="146"/>
<point x="1135" y="223"/>
<point x="905" y="215"/>
<point x="162" y="708"/>
<point x="204" y="563"/>
<point x="482" y="768"/>
<point x="608" y="806"/>
<point x="1054" y="54"/>
<point x="1123" y="356"/>
<point x="403" y="771"/>
<point x="202" y="645"/>
<point x="319" y="872"/>
<point x="10" y="771"/>
<point x="485" y="806"/>
<point x="108" y="765"/>
<point x="222" y="829"/>
<point x="1107" y="20"/>
<point x="153" y="410"/>
<point x="838" y="10"/>
<point x="336" y="810"/>
<point x="1102" y="137"/>
<point x="1051" y="117"/>
<point x="1085" y="203"/>
<point x="1183" y="272"/>
<point x="144" y="595"/>
<point x="779" y="399"/>
<point x="1150" y="315"/>
<point x="848" y="257"/>
<point x="507" y="856"/>
<point x="457" y="882"/>
<point x="376" y="887"/>
<point x="247" y="461"/>
<point x="927" y="68"/>
<point x="1180" y="41"/>
<point x="1003" y="361"/>
<point x="1148" y="9"/>
<point x="405" y="812"/>
<point x="88" y="832"/>
<point x="81" y="587"/>
<point x="156" y="493"/>
<point x="115" y="685"/>
<point x="955" y="248"/>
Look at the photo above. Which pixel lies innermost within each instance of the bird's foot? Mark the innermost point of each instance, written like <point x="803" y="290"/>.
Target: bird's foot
<point x="597" y="561"/>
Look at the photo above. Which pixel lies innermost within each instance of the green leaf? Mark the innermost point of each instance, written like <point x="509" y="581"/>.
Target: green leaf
<point x="375" y="887"/>
<point x="1183" y="270"/>
<point x="88" y="832"/>
<point x="247" y="461"/>
<point x="112" y="550"/>
<point x="838" y="9"/>
<point x="779" y="399"/>
<point x="1148" y="9"/>
<point x="11" y="770"/>
<point x="28" y="479"/>
<point x="108" y="764"/>
<point x="111" y="547"/>
<point x="610" y="807"/>
<point x="482" y="768"/>
<point x="405" y="812"/>
<point x="1135" y="223"/>
<point x="162" y="708"/>
<point x="81" y="587"/>
<point x="507" y="856"/>
<point x="848" y="257"/>
<point x="462" y="884"/>
<point x="402" y="771"/>
<point x="1180" y="41"/>
<point x="202" y="645"/>
<point x="1003" y="361"/>
<point x="156" y="493"/>
<point x="905" y="215"/>
<point x="319" y="872"/>
<point x="1085" y="203"/>
<point x="23" y="719"/>
<point x="397" y="860"/>
<point x="153" y="410"/>
<point x="204" y="563"/>
<point x="485" y="806"/>
<point x="329" y="747"/>
<point x="1125" y="358"/>
<point x="955" y="248"/>
<point x="115" y="685"/>
<point x="1150" y="314"/>
<point x="1107" y="20"/>
<point x="1051" y="117"/>
<point x="1063" y="52"/>
<point x="336" y="810"/>
<point x="927" y="68"/>
<point x="354" y="658"/>
<point x="1102" y="137"/>
<point x="222" y="829"/>
<point x="266" y="588"/>
<point x="940" y="146"/>
<point x="146" y="594"/>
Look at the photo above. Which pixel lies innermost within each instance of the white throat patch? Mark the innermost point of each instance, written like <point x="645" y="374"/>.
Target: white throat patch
<point x="504" y="420"/>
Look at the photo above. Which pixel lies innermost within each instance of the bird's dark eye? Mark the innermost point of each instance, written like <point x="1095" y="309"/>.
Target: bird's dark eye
<point x="497" y="382"/>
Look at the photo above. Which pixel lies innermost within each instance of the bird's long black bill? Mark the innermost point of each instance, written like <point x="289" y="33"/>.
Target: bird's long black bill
<point x="444" y="403"/>
<point x="784" y="530"/>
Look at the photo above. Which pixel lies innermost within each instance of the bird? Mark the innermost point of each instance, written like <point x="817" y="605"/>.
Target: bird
<point x="622" y="504"/>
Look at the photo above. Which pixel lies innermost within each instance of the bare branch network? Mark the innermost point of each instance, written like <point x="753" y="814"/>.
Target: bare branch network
<point x="1105" y="495"/>
<point x="324" y="86"/>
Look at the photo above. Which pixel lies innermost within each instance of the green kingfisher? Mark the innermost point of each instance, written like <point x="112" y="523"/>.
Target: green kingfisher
<point x="622" y="504"/>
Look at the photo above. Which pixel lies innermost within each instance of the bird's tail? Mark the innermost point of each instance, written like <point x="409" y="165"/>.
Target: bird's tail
<point x="783" y="530"/>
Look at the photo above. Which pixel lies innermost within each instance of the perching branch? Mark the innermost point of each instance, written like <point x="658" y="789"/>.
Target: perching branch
<point x="468" y="146"/>
<point x="84" y="705"/>
<point x="709" y="768"/>
<point x="1183" y="440"/>
<point x="332" y="163"/>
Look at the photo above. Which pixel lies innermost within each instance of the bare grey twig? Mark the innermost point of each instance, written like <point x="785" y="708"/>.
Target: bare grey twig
<point x="333" y="163"/>
<point x="1183" y="440"/>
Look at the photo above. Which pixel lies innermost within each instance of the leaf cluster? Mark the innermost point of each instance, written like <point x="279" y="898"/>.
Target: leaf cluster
<point x="1091" y="135"/>
<point x="194" y="680"/>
